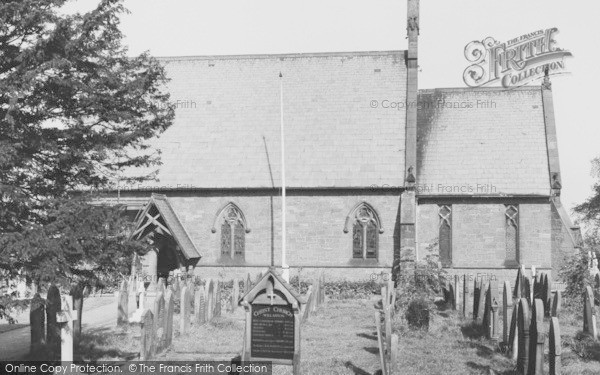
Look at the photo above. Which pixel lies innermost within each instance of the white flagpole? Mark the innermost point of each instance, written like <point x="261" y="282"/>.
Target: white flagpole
<point x="284" y="266"/>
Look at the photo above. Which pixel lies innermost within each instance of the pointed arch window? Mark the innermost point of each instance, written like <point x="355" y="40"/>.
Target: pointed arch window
<point x="445" y="235"/>
<point x="512" y="234"/>
<point x="366" y="228"/>
<point x="233" y="231"/>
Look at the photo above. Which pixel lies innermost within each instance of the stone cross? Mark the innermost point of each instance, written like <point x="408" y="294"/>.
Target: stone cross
<point x="556" y="304"/>
<point x="554" y="348"/>
<point x="147" y="335"/>
<point x="524" y="320"/>
<point x="537" y="337"/>
<point x="65" y="318"/>
<point x="589" y="313"/>
<point x="235" y="294"/>
<point x="52" y="328"/>
<point x="169" y="310"/>
<point x="506" y="311"/>
<point x="38" y="323"/>
<point x="184" y="308"/>
<point x="199" y="307"/>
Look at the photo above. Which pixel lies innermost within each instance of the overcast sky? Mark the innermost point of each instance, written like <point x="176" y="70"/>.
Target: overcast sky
<point x="200" y="27"/>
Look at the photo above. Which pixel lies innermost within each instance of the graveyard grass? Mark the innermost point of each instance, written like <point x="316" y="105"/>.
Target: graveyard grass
<point x="340" y="338"/>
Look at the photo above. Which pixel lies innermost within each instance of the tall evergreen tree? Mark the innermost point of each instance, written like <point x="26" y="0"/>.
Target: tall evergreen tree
<point x="74" y="109"/>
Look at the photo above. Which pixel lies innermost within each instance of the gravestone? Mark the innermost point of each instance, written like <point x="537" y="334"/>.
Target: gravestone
<point x="147" y="335"/>
<point x="122" y="296"/>
<point x="537" y="338"/>
<point x="549" y="296"/>
<point x="77" y="292"/>
<point x="524" y="320"/>
<point x="589" y="313"/>
<point x="184" y="308"/>
<point x="476" y="296"/>
<point x="507" y="303"/>
<point x="176" y="286"/>
<point x="248" y="284"/>
<point x="388" y="326"/>
<point x="235" y="294"/>
<point x="513" y="337"/>
<point x="493" y="307"/>
<point x="544" y="293"/>
<point x="65" y="318"/>
<point x="481" y="302"/>
<point x="169" y="310"/>
<point x="527" y="289"/>
<point x="466" y="300"/>
<point x="518" y="291"/>
<point x="272" y="322"/>
<point x="556" y="304"/>
<point x="199" y="307"/>
<point x="306" y="308"/>
<point x="457" y="296"/>
<point x="218" y="288"/>
<point x="394" y="360"/>
<point x="52" y="328"/>
<point x="162" y="284"/>
<point x="554" y="348"/>
<point x="159" y="322"/>
<point x="451" y="299"/>
<point x="322" y="284"/>
<point x="210" y="299"/>
<point x="380" y="344"/>
<point x="37" y="321"/>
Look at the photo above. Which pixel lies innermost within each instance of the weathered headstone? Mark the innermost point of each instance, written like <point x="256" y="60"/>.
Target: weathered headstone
<point x="518" y="291"/>
<point x="184" y="308"/>
<point x="169" y="310"/>
<point x="481" y="303"/>
<point x="476" y="296"/>
<point x="524" y="320"/>
<point x="122" y="296"/>
<point x="549" y="296"/>
<point x="466" y="301"/>
<point x="556" y="304"/>
<point x="210" y="299"/>
<point x="388" y="326"/>
<point x="589" y="315"/>
<point x="248" y="284"/>
<point x="272" y="322"/>
<point x="537" y="338"/>
<point x="147" y="335"/>
<point x="306" y="308"/>
<point x="52" y="327"/>
<point x="507" y="303"/>
<point x="65" y="318"/>
<point x="494" y="306"/>
<point x="457" y="296"/>
<point x="451" y="299"/>
<point x="199" y="307"/>
<point x="217" y="312"/>
<point x="513" y="337"/>
<point x="77" y="292"/>
<point x="527" y="289"/>
<point x="235" y="294"/>
<point x="37" y="321"/>
<point x="380" y="343"/>
<point x="159" y="322"/>
<point x="554" y="347"/>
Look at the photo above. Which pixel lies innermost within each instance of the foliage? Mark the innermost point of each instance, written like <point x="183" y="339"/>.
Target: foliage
<point x="576" y="275"/>
<point x="589" y="211"/>
<point x="417" y="313"/>
<point x="74" y="111"/>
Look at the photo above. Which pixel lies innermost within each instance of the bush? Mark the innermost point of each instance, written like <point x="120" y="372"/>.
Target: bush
<point x="417" y="313"/>
<point x="576" y="275"/>
<point x="425" y="282"/>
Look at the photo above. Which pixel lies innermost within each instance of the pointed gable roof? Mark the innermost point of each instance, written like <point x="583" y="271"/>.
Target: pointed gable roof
<point x="158" y="215"/>
<point x="279" y="283"/>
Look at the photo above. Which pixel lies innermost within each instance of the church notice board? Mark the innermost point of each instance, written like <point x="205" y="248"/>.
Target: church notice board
<point x="272" y="322"/>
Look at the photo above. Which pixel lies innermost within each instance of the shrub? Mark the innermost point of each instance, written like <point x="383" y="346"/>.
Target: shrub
<point x="576" y="275"/>
<point x="417" y="313"/>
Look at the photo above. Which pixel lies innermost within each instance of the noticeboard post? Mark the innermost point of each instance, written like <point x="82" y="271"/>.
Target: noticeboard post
<point x="272" y="322"/>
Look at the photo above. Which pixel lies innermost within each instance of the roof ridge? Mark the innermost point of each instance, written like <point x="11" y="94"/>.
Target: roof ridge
<point x="281" y="55"/>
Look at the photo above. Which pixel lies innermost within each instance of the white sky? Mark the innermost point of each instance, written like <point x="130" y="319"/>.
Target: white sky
<point x="200" y="27"/>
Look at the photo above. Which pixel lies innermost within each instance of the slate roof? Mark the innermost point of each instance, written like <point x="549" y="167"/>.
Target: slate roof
<point x="482" y="141"/>
<point x="227" y="128"/>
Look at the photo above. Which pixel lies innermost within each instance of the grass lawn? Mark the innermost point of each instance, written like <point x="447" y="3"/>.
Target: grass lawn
<point x="341" y="339"/>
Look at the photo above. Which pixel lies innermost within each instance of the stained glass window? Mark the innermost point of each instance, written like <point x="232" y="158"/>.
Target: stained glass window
<point x="512" y="233"/>
<point x="233" y="233"/>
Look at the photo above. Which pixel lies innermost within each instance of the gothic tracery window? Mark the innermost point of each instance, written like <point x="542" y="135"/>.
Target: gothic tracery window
<point x="233" y="233"/>
<point x="512" y="233"/>
<point x="445" y="235"/>
<point x="365" y="233"/>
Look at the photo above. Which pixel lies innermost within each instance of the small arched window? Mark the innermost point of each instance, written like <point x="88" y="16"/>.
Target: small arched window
<point x="366" y="228"/>
<point x="233" y="231"/>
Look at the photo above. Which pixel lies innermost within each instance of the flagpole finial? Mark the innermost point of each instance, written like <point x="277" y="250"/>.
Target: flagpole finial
<point x="280" y="75"/>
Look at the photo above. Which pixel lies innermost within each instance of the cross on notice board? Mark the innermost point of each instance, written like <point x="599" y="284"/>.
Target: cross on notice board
<point x="270" y="291"/>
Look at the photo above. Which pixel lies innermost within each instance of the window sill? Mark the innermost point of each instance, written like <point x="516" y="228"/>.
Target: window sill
<point x="228" y="261"/>
<point x="363" y="262"/>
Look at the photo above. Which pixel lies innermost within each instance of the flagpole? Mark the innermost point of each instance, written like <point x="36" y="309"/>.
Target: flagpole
<point x="284" y="266"/>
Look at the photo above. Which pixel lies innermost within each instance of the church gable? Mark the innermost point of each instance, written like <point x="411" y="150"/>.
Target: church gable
<point x="228" y="114"/>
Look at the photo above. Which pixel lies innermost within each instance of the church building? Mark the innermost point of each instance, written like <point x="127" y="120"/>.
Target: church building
<point x="378" y="173"/>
